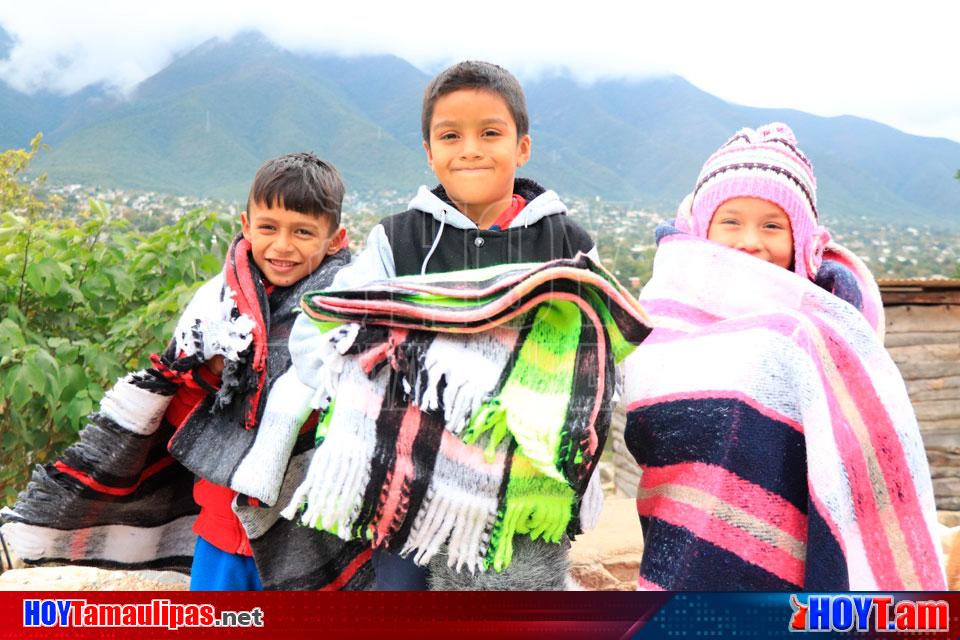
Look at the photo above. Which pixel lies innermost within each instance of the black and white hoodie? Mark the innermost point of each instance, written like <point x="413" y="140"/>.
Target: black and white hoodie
<point x="433" y="236"/>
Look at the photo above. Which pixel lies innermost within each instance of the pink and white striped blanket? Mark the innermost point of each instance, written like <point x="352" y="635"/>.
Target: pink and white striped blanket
<point x="778" y="445"/>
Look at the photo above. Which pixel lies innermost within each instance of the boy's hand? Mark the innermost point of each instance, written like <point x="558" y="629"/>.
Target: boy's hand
<point x="215" y="365"/>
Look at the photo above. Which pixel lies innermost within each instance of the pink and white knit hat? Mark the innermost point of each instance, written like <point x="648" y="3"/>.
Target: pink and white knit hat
<point x="763" y="163"/>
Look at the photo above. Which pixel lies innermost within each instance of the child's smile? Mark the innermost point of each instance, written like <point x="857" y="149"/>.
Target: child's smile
<point x="287" y="245"/>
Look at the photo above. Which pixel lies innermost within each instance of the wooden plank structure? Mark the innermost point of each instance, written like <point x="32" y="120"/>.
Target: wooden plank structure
<point x="923" y="338"/>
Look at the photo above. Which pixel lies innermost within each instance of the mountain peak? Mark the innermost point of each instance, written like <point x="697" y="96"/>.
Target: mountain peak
<point x="245" y="45"/>
<point x="251" y="41"/>
<point x="204" y="123"/>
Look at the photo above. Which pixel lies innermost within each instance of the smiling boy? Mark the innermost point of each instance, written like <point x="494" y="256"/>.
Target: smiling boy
<point x="474" y="149"/>
<point x="476" y="135"/>
<point x="192" y="453"/>
<point x="291" y="230"/>
<point x="288" y="245"/>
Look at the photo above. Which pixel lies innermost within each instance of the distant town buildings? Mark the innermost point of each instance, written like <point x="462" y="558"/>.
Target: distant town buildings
<point x="624" y="233"/>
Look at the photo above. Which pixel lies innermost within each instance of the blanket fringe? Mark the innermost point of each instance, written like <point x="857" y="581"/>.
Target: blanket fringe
<point x="334" y="485"/>
<point x="459" y="517"/>
<point x="323" y="358"/>
<point x="535" y="506"/>
<point x="466" y="385"/>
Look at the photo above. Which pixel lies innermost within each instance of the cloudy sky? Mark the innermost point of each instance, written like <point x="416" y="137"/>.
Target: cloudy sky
<point x="895" y="62"/>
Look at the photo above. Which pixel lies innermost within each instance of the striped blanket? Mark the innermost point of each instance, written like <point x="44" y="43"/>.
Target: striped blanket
<point x="778" y="447"/>
<point x="462" y="408"/>
<point x="122" y="496"/>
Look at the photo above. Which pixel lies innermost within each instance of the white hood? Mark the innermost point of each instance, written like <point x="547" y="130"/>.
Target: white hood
<point x="546" y="204"/>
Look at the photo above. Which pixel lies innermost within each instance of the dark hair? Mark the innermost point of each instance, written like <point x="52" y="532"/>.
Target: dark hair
<point x="483" y="76"/>
<point x="300" y="182"/>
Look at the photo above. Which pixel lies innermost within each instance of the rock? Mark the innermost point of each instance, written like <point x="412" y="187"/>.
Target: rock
<point x="74" y="578"/>
<point x="949" y="518"/>
<point x="608" y="558"/>
<point x="9" y="560"/>
<point x="950" y="538"/>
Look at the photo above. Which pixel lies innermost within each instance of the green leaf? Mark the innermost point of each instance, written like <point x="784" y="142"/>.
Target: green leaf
<point x="210" y="264"/>
<point x="78" y="409"/>
<point x="95" y="391"/>
<point x="148" y="261"/>
<point x="18" y="221"/>
<point x="8" y="377"/>
<point x="20" y="394"/>
<point x="45" y="277"/>
<point x="11" y="336"/>
<point x="76" y="296"/>
<point x="67" y="352"/>
<point x="74" y="379"/>
<point x="35" y="379"/>
<point x="98" y="208"/>
<point x="46" y="362"/>
<point x="122" y="282"/>
<point x="37" y="439"/>
<point x="33" y="276"/>
<point x="51" y="286"/>
<point x="96" y="285"/>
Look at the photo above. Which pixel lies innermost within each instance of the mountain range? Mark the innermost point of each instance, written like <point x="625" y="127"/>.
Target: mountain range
<point x="203" y="124"/>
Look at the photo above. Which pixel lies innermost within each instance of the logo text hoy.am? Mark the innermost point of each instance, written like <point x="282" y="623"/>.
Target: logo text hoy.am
<point x="867" y="613"/>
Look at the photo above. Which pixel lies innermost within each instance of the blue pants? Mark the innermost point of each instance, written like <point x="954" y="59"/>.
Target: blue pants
<point x="216" y="570"/>
<point x="396" y="573"/>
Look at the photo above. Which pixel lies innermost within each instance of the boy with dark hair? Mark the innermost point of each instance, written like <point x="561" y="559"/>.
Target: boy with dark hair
<point x="291" y="227"/>
<point x="476" y="135"/>
<point x="303" y="194"/>
<point x="221" y="405"/>
<point x="473" y="75"/>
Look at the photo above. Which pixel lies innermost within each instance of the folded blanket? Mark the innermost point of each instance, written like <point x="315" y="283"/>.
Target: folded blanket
<point x="121" y="497"/>
<point x="778" y="445"/>
<point x="464" y="408"/>
<point x="116" y="498"/>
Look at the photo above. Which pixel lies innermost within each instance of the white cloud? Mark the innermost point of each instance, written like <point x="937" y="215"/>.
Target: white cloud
<point x="892" y="62"/>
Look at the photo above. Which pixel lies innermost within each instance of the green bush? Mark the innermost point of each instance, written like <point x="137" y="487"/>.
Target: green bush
<point x="83" y="300"/>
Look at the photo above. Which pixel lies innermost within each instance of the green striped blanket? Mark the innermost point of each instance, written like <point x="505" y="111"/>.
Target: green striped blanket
<point x="462" y="409"/>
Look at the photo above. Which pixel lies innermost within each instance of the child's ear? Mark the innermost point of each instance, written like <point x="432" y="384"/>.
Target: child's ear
<point x="523" y="149"/>
<point x="245" y="224"/>
<point x="337" y="240"/>
<point x="426" y="147"/>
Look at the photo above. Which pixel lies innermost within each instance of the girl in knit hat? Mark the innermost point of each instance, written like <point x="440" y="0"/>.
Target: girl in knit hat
<point x="757" y="193"/>
<point x="778" y="447"/>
